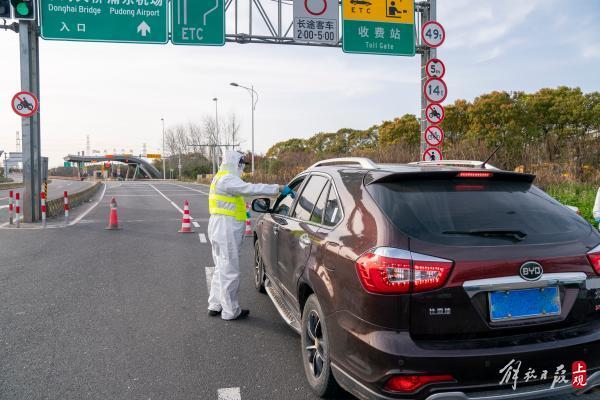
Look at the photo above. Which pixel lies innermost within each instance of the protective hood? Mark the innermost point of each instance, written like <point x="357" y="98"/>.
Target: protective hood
<point x="230" y="162"/>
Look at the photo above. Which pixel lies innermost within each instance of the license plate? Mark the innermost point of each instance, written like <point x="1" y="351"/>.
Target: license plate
<point x="524" y="303"/>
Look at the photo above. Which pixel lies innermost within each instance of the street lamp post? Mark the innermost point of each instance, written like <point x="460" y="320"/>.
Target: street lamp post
<point x="163" y="149"/>
<point x="253" y="93"/>
<point x="214" y="155"/>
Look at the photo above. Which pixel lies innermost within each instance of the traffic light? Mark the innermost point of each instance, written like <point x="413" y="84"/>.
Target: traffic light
<point x="24" y="9"/>
<point x="5" y="9"/>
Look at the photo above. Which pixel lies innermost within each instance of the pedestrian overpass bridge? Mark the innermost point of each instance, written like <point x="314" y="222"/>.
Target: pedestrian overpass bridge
<point x="144" y="166"/>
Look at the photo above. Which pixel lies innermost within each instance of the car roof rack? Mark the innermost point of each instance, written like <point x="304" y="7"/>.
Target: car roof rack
<point x="361" y="162"/>
<point x="454" y="163"/>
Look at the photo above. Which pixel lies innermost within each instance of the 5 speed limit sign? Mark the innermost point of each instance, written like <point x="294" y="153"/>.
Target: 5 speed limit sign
<point x="435" y="90"/>
<point x="434" y="135"/>
<point x="435" y="113"/>
<point x="435" y="68"/>
<point x="433" y="34"/>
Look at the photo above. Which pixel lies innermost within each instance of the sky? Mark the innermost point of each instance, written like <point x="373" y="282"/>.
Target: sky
<point x="118" y="93"/>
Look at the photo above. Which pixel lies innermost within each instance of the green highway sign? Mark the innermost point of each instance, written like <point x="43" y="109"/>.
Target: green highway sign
<point x="129" y="21"/>
<point x="198" y="22"/>
<point x="379" y="27"/>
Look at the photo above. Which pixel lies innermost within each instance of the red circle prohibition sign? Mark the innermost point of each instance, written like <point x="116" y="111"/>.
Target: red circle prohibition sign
<point x="23" y="104"/>
<point x="316" y="13"/>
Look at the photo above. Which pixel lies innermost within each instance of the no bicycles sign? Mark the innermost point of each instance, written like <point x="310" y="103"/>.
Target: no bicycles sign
<point x="25" y="104"/>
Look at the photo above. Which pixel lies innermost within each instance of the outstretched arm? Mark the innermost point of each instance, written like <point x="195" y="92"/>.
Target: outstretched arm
<point x="233" y="185"/>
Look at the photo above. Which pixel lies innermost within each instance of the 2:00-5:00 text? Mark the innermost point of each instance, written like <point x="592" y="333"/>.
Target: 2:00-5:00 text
<point x="312" y="35"/>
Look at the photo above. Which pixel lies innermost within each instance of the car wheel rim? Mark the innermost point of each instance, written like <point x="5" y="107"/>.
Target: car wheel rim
<point x="315" y="344"/>
<point x="257" y="266"/>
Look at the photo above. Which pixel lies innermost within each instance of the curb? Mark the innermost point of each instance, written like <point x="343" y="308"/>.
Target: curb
<point x="56" y="207"/>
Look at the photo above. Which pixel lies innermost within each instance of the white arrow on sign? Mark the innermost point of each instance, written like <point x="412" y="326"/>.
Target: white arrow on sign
<point x="143" y="28"/>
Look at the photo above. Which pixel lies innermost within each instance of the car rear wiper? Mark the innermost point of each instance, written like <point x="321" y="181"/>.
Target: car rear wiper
<point x="511" y="234"/>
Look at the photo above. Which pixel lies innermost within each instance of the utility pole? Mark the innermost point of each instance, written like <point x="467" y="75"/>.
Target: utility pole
<point x="428" y="13"/>
<point x="30" y="126"/>
<point x="253" y="93"/>
<point x="163" y="149"/>
<point x="217" y="138"/>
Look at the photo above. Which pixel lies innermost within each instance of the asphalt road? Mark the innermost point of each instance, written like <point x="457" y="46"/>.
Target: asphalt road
<point x="56" y="188"/>
<point x="96" y="314"/>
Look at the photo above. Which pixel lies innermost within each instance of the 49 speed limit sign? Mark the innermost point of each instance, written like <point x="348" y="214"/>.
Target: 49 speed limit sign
<point x="435" y="90"/>
<point x="433" y="34"/>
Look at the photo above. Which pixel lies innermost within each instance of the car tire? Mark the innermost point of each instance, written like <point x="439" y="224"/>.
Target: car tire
<point x="316" y="349"/>
<point x="259" y="269"/>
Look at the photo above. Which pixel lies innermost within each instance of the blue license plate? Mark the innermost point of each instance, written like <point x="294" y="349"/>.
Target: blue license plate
<point x="524" y="303"/>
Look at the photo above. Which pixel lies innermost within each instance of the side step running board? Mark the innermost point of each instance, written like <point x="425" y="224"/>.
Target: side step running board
<point x="280" y="304"/>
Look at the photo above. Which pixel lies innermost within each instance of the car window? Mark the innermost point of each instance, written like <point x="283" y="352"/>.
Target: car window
<point x="333" y="209"/>
<point x="309" y="196"/>
<point x="284" y="204"/>
<point x="456" y="212"/>
<point x="317" y="214"/>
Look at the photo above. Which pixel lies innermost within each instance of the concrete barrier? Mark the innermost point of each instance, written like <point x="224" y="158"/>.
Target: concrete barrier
<point x="56" y="207"/>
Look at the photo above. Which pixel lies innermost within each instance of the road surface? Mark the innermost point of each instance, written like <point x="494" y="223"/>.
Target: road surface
<point x="96" y="314"/>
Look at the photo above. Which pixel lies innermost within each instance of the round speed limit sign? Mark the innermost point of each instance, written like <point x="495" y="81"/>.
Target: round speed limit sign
<point x="434" y="135"/>
<point x="433" y="34"/>
<point x="435" y="68"/>
<point x="435" y="90"/>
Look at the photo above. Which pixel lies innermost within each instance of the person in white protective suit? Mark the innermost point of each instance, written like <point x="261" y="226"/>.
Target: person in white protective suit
<point x="226" y="229"/>
<point x="596" y="209"/>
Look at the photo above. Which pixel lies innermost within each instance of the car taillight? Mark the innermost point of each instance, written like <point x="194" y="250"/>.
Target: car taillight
<point x="387" y="270"/>
<point x="474" y="174"/>
<point x="594" y="257"/>
<point x="410" y="383"/>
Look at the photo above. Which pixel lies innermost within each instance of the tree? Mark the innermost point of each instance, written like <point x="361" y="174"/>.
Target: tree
<point x="456" y="121"/>
<point x="401" y="130"/>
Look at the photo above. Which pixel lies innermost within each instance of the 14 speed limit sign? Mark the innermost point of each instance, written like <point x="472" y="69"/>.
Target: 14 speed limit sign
<point x="316" y="21"/>
<point x="435" y="90"/>
<point x="433" y="34"/>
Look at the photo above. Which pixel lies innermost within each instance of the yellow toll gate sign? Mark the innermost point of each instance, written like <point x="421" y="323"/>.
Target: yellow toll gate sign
<point x="379" y="27"/>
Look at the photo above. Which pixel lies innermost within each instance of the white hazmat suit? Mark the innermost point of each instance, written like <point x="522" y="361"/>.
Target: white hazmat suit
<point x="596" y="209"/>
<point x="226" y="233"/>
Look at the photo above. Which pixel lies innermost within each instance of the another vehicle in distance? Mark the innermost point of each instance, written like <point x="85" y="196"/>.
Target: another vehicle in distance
<point x="432" y="280"/>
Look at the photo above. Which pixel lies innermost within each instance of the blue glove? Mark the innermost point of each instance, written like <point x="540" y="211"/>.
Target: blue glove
<point x="287" y="191"/>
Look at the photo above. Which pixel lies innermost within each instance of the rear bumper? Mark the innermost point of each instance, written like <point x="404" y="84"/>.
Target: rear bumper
<point x="365" y="356"/>
<point x="533" y="392"/>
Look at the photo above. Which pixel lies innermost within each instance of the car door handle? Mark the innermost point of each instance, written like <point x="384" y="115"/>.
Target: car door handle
<point x="304" y="240"/>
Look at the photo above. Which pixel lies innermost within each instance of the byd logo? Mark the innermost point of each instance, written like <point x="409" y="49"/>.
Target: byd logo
<point x="531" y="271"/>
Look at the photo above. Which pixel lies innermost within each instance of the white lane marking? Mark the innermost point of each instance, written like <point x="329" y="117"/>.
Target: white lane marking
<point x="196" y="224"/>
<point x="135" y="195"/>
<point x="202" y="237"/>
<point x="3" y="198"/>
<point x="1" y="207"/>
<point x="86" y="212"/>
<point x="229" y="394"/>
<point x="168" y="199"/>
<point x="209" y="274"/>
<point x="188" y="188"/>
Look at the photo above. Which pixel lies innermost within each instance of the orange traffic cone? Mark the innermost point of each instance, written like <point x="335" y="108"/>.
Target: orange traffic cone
<point x="248" y="231"/>
<point x="186" y="220"/>
<point x="113" y="219"/>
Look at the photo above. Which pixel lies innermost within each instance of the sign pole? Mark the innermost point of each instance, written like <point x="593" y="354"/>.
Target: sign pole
<point x="28" y="42"/>
<point x="428" y="13"/>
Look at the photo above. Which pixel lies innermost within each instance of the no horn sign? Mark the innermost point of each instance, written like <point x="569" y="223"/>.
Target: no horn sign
<point x="25" y="104"/>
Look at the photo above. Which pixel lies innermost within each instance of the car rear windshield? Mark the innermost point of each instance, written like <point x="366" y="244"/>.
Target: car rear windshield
<point x="477" y="212"/>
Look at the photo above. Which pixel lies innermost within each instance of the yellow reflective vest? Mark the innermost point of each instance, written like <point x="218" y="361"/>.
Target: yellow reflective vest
<point x="233" y="206"/>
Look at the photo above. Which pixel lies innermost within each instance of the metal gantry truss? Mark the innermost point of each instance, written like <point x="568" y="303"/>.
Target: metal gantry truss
<point x="272" y="22"/>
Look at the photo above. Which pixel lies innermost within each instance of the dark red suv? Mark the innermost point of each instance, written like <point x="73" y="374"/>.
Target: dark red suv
<point x="433" y="280"/>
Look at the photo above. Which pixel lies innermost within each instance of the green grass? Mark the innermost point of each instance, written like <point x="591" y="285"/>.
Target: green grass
<point x="576" y="194"/>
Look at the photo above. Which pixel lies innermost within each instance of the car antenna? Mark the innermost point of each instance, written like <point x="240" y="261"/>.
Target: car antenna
<point x="491" y="155"/>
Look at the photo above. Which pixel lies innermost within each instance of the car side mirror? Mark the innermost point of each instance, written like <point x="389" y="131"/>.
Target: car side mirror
<point x="262" y="205"/>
